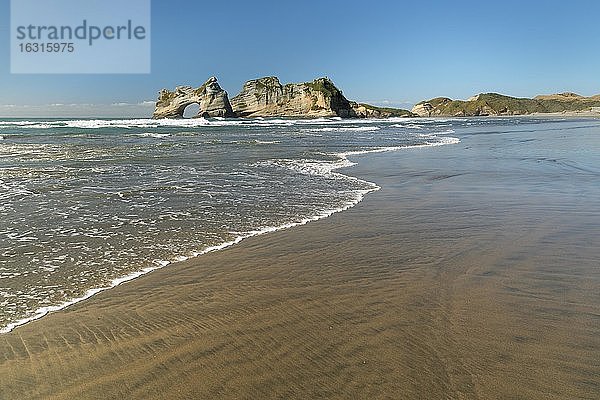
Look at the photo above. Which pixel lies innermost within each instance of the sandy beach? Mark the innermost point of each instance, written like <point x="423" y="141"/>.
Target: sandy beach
<point x="460" y="279"/>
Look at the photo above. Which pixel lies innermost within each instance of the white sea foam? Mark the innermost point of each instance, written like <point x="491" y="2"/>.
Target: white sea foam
<point x="43" y="311"/>
<point x="120" y="123"/>
<point x="303" y="166"/>
<point x="440" y="142"/>
<point x="135" y="123"/>
<point x="263" y="121"/>
<point x="409" y="126"/>
<point x="267" y="141"/>
<point x="9" y="191"/>
<point x="39" y="126"/>
<point x="190" y="123"/>
<point x="446" y="132"/>
<point x="26" y="124"/>
<point x="153" y="135"/>
<point x="348" y="129"/>
<point x="17" y="123"/>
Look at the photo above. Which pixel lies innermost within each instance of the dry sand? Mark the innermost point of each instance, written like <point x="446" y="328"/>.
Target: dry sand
<point x="443" y="285"/>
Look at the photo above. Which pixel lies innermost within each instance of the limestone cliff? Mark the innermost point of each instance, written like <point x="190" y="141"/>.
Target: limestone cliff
<point x="497" y="104"/>
<point x="267" y="97"/>
<point x="422" y="109"/>
<point x="213" y="101"/>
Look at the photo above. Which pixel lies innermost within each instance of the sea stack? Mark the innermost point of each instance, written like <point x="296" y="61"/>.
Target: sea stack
<point x="267" y="97"/>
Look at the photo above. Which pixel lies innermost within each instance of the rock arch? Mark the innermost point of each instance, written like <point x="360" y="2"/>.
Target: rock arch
<point x="192" y="110"/>
<point x="213" y="101"/>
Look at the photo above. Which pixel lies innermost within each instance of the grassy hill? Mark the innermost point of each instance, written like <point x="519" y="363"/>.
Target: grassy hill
<point x="497" y="104"/>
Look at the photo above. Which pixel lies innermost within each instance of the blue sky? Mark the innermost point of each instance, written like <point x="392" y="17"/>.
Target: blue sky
<point x="384" y="52"/>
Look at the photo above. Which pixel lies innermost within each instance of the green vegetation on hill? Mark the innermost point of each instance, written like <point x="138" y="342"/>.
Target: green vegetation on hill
<point x="324" y="86"/>
<point x="497" y="104"/>
<point x="388" y="111"/>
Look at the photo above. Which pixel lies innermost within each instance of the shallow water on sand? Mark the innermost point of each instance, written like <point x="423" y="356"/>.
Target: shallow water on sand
<point x="87" y="204"/>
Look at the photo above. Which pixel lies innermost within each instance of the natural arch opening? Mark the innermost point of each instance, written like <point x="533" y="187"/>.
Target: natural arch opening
<point x="191" y="110"/>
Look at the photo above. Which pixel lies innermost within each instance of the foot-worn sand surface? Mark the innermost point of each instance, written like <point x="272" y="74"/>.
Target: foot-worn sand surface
<point x="449" y="283"/>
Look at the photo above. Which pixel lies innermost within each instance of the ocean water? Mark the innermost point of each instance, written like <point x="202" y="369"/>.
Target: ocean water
<point x="88" y="204"/>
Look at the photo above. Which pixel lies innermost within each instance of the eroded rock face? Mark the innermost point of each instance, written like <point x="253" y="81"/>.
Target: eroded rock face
<point x="422" y="110"/>
<point x="267" y="97"/>
<point x="360" y="110"/>
<point x="213" y="101"/>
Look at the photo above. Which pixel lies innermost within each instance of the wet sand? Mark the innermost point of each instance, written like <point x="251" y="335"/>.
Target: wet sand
<point x="472" y="274"/>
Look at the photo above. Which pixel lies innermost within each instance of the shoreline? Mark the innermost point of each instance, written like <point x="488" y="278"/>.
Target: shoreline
<point x="343" y="162"/>
<point x="44" y="311"/>
<point x="191" y="120"/>
<point x="446" y="283"/>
